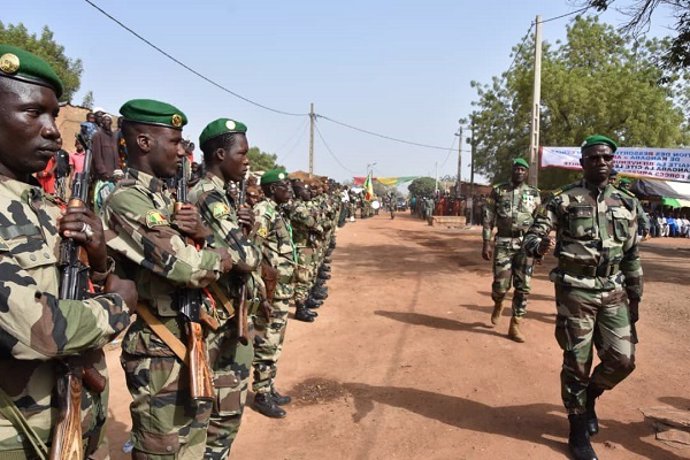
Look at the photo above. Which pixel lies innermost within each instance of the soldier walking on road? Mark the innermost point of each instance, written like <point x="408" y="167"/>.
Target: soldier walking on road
<point x="510" y="208"/>
<point x="598" y="285"/>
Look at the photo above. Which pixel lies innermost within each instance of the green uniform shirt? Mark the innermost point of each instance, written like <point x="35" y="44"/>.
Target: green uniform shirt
<point x="510" y="209"/>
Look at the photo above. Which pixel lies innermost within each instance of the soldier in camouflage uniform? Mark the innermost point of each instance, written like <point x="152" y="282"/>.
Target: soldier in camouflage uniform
<point x="151" y="242"/>
<point x="598" y="285"/>
<point x="38" y="330"/>
<point x="274" y="234"/>
<point x="510" y="208"/>
<point x="224" y="144"/>
<point x="303" y="224"/>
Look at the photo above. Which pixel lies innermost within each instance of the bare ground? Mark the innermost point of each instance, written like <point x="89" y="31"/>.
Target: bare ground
<point x="402" y="363"/>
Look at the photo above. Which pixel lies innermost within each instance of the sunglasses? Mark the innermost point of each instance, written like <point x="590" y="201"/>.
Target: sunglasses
<point x="596" y="158"/>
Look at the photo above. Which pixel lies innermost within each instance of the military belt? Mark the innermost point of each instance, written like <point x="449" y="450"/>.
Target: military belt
<point x="511" y="234"/>
<point x="591" y="271"/>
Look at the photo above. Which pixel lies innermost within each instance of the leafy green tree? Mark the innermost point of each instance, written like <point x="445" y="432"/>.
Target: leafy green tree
<point x="422" y="186"/>
<point x="640" y="12"/>
<point x="45" y="46"/>
<point x="598" y="81"/>
<point x="262" y="161"/>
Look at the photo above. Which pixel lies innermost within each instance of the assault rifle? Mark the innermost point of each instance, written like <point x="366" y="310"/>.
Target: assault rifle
<point x="73" y="374"/>
<point x="190" y="305"/>
<point x="242" y="313"/>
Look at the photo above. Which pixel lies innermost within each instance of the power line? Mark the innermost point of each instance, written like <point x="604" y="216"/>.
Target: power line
<point x="328" y="149"/>
<point x="581" y="10"/>
<point x="296" y="140"/>
<point x="195" y="72"/>
<point x="450" y="150"/>
<point x="383" y="136"/>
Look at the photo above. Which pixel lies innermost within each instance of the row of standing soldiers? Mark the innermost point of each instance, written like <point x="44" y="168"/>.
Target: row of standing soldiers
<point x="210" y="276"/>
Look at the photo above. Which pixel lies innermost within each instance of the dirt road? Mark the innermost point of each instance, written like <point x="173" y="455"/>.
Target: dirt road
<point x="402" y="363"/>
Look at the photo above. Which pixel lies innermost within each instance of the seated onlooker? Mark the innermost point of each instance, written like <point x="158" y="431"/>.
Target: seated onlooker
<point x="672" y="227"/>
<point x="663" y="225"/>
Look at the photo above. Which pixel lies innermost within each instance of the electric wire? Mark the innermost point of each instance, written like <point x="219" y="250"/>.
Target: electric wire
<point x="190" y="69"/>
<point x="581" y="10"/>
<point x="297" y="140"/>
<point x="328" y="149"/>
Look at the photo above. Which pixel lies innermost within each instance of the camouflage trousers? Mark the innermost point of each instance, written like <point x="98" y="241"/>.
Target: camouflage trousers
<point x="268" y="345"/>
<point x="166" y="425"/>
<point x="585" y="318"/>
<point x="304" y="274"/>
<point x="511" y="266"/>
<point x="231" y="362"/>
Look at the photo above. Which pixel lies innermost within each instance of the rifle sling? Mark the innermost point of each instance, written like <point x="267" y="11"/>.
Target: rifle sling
<point x="11" y="412"/>
<point x="163" y="333"/>
<point x="227" y="303"/>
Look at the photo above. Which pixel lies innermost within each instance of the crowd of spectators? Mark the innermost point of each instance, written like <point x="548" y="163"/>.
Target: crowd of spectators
<point x="669" y="222"/>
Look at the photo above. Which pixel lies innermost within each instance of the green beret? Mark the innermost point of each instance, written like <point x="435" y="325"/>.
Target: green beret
<point x="150" y="112"/>
<point x="625" y="180"/>
<point x="21" y="65"/>
<point x="598" y="139"/>
<point x="219" y="127"/>
<point x="273" y="175"/>
<point x="521" y="162"/>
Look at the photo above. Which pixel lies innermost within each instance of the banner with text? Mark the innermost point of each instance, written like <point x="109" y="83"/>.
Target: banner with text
<point x="664" y="164"/>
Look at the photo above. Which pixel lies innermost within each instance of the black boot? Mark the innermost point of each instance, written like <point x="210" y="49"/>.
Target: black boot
<point x="593" y="392"/>
<point x="325" y="268"/>
<point x="303" y="314"/>
<point x="312" y="303"/>
<point x="319" y="293"/>
<point x="324" y="275"/>
<point x="280" y="399"/>
<point x="578" y="440"/>
<point x="327" y="260"/>
<point x="264" y="404"/>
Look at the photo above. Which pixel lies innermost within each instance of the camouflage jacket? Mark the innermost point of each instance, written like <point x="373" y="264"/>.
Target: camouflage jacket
<point x="302" y="221"/>
<point x="210" y="198"/>
<point x="596" y="238"/>
<point x="36" y="327"/>
<point x="153" y="253"/>
<point x="274" y="234"/>
<point x="510" y="209"/>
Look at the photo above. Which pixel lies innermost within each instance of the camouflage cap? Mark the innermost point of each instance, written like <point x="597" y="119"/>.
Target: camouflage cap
<point x="21" y="65"/>
<point x="219" y="127"/>
<point x="598" y="139"/>
<point x="150" y="112"/>
<point x="521" y="162"/>
<point x="273" y="175"/>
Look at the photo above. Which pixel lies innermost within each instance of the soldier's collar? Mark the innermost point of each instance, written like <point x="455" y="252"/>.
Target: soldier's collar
<point x="215" y="180"/>
<point x="151" y="183"/>
<point x="594" y="188"/>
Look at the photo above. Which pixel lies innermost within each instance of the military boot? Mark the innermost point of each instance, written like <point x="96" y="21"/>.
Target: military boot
<point x="578" y="440"/>
<point x="514" y="330"/>
<point x="319" y="293"/>
<point x="264" y="404"/>
<point x="312" y="303"/>
<point x="279" y="399"/>
<point x="324" y="275"/>
<point x="304" y="314"/>
<point x="593" y="392"/>
<point x="326" y="268"/>
<point x="496" y="314"/>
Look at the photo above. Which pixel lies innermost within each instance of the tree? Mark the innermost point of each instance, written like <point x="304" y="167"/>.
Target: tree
<point x="262" y="161"/>
<point x="422" y="187"/>
<point x="87" y="102"/>
<point x="598" y="81"/>
<point x="640" y="16"/>
<point x="69" y="70"/>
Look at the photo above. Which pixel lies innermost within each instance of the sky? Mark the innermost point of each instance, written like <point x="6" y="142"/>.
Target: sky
<point x="401" y="68"/>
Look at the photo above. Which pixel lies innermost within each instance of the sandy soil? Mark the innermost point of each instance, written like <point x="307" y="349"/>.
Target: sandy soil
<point x="402" y="363"/>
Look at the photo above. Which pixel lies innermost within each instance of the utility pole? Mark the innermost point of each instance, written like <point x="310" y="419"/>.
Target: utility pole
<point x="536" y="101"/>
<point x="474" y="150"/>
<point x="312" y="119"/>
<point x="459" y="188"/>
<point x="436" y="186"/>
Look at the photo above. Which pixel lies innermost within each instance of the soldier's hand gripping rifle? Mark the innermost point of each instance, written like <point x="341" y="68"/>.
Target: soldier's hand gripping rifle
<point x="190" y="305"/>
<point x="73" y="375"/>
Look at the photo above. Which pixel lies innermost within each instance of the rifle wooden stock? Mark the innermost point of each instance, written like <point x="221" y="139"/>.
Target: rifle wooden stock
<point x="67" y="435"/>
<point x="200" y="378"/>
<point x="270" y="277"/>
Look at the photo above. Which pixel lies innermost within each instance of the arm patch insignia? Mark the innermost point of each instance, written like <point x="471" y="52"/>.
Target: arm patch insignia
<point x="155" y="219"/>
